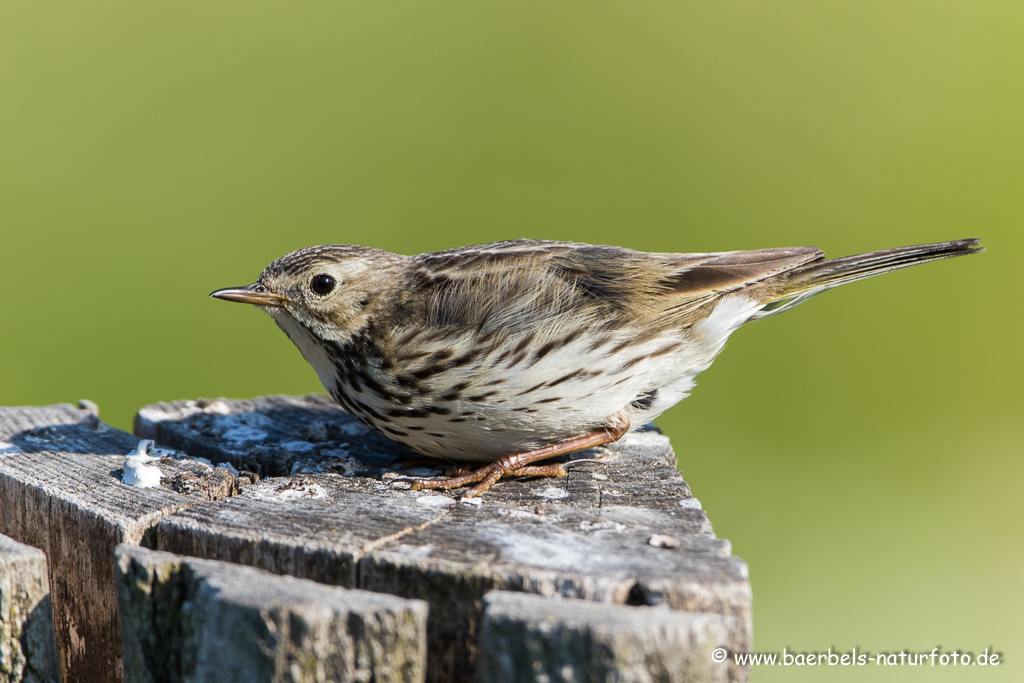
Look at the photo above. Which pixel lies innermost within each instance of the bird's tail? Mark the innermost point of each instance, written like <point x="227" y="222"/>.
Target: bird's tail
<point x="800" y="284"/>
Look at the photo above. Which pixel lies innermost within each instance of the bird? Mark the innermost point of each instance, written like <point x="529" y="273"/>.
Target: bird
<point x="510" y="353"/>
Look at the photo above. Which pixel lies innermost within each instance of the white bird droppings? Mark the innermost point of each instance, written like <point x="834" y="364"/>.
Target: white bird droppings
<point x="690" y="503"/>
<point x="435" y="501"/>
<point x="552" y="492"/>
<point x="137" y="470"/>
<point x="279" y="492"/>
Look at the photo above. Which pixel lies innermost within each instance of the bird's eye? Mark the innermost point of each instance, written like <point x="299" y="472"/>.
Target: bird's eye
<point x="322" y="284"/>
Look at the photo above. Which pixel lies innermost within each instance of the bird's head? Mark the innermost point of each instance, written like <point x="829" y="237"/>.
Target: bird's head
<point x="327" y="292"/>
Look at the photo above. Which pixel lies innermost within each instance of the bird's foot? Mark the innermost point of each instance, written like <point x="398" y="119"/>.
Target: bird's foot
<point x="519" y="465"/>
<point x="485" y="477"/>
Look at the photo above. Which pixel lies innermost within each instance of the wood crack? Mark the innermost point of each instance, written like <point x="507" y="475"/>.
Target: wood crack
<point x="379" y="543"/>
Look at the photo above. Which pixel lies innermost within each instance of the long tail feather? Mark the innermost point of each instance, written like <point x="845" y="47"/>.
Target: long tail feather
<point x="804" y="282"/>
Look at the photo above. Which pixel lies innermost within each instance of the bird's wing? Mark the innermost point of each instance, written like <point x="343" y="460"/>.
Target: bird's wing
<point x="527" y="284"/>
<point x="692" y="284"/>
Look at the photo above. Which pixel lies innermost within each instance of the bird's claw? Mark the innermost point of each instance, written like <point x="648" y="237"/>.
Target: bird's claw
<point x="487" y="476"/>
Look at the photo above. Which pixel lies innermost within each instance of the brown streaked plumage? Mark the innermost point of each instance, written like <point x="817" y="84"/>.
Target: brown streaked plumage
<point x="514" y="352"/>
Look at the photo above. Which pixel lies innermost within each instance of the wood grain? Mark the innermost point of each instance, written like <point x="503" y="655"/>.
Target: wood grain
<point x="28" y="646"/>
<point x="191" y="620"/>
<point x="61" y="492"/>
<point x="346" y="517"/>
<point x="529" y="638"/>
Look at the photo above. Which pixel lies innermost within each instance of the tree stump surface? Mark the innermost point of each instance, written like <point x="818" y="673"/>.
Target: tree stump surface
<point x="28" y="647"/>
<point x="335" y="507"/>
<point x="61" y="492"/>
<point x="187" y="619"/>
<point x="528" y="637"/>
<point x="624" y="530"/>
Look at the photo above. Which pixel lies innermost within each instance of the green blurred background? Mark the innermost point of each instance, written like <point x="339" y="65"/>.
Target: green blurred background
<point x="863" y="452"/>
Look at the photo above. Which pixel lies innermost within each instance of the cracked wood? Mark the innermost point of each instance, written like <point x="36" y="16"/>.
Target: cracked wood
<point x="345" y="516"/>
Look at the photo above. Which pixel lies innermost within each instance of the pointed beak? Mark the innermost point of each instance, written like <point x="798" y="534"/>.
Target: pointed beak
<point x="257" y="295"/>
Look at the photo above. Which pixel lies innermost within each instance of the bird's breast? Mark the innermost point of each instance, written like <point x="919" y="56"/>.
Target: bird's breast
<point x="462" y="401"/>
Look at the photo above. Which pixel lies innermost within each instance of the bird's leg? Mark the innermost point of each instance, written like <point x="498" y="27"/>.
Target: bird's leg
<point x="519" y="464"/>
<point x="556" y="470"/>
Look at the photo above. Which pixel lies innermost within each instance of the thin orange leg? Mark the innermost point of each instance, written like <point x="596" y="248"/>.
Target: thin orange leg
<point x="517" y="464"/>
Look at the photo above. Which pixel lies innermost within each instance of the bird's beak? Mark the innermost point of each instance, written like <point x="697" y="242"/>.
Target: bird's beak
<point x="256" y="294"/>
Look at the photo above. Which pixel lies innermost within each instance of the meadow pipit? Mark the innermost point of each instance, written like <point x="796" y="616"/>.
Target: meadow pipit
<point x="513" y="352"/>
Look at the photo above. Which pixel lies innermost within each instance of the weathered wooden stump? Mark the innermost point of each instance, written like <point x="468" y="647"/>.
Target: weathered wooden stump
<point x="335" y="507"/>
<point x="28" y="648"/>
<point x="186" y="619"/>
<point x="528" y="638"/>
<point x="61" y="492"/>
